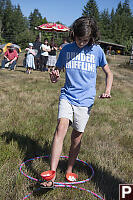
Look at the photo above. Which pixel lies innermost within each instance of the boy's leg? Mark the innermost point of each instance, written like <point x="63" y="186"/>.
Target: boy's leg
<point x="81" y="116"/>
<point x="58" y="139"/>
<point x="74" y="149"/>
<point x="57" y="144"/>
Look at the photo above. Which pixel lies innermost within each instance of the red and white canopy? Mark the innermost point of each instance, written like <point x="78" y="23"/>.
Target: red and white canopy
<point x="53" y="27"/>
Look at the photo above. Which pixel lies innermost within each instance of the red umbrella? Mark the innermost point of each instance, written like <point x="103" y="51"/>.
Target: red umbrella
<point x="53" y="27"/>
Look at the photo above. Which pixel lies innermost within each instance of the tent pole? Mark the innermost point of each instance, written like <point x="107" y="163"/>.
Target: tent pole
<point x="40" y="36"/>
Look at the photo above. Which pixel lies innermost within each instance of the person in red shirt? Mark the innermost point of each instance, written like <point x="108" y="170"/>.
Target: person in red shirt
<point x="10" y="57"/>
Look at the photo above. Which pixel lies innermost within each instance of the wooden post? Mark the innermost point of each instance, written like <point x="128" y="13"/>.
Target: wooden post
<point x="40" y="36"/>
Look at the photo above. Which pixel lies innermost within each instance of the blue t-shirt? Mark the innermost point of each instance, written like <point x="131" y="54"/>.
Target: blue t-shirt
<point x="81" y="70"/>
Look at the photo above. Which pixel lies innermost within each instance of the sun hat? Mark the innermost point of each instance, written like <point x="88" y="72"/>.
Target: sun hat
<point x="31" y="44"/>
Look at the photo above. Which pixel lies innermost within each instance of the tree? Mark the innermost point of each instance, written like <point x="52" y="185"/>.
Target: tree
<point x="121" y="23"/>
<point x="126" y="8"/>
<point x="43" y="21"/>
<point x="35" y="19"/>
<point x="7" y="20"/>
<point x="128" y="43"/>
<point x="13" y="22"/>
<point x="119" y="9"/>
<point x="25" y="37"/>
<point x="19" y="23"/>
<point x="91" y="10"/>
<point x="2" y="7"/>
<point x="105" y="25"/>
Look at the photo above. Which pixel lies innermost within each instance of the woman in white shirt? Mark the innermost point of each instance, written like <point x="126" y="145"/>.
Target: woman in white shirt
<point x="45" y="48"/>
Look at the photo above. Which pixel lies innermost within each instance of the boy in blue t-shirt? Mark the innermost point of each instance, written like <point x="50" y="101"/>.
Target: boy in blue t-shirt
<point x="80" y="59"/>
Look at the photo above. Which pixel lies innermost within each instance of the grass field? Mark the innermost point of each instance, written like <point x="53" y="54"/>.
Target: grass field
<point x="28" y="117"/>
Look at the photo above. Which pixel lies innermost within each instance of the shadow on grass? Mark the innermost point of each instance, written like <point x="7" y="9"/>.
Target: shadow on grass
<point x="23" y="69"/>
<point x="30" y="149"/>
<point x="108" y="185"/>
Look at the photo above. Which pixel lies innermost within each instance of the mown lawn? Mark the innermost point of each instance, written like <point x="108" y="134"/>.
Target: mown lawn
<point x="28" y="117"/>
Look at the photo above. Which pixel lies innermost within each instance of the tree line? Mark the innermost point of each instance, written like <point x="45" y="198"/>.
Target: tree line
<point x="114" y="27"/>
<point x="117" y="26"/>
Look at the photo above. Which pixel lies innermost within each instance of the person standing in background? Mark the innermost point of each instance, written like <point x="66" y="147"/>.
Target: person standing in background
<point x="36" y="46"/>
<point x="30" y="64"/>
<point x="45" y="49"/>
<point x="64" y="43"/>
<point x="52" y="54"/>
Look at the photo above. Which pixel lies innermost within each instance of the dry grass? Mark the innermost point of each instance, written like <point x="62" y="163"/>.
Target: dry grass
<point x="28" y="118"/>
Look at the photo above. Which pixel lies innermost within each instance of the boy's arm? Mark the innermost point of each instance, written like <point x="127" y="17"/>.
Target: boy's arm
<point x="109" y="81"/>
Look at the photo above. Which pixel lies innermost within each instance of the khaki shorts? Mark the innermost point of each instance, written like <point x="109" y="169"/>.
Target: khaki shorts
<point x="77" y="115"/>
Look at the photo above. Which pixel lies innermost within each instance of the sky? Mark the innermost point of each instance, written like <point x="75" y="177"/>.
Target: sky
<point x="65" y="11"/>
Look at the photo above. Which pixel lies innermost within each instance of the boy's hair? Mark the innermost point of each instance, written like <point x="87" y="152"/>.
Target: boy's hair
<point x="85" y="26"/>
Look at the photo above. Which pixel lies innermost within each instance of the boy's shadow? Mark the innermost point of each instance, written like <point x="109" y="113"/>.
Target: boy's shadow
<point x="108" y="185"/>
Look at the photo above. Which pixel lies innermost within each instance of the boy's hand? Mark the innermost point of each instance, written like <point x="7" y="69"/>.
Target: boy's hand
<point x="105" y="95"/>
<point x="54" y="76"/>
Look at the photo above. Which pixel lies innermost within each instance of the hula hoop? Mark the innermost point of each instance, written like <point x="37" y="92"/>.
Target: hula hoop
<point x="62" y="184"/>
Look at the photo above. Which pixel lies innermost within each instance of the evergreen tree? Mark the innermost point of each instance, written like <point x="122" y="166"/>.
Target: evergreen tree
<point x="91" y="10"/>
<point x="115" y="27"/>
<point x="43" y="21"/>
<point x="105" y="25"/>
<point x="126" y="8"/>
<point x="112" y="14"/>
<point x="13" y="22"/>
<point x="25" y="37"/>
<point x="128" y="44"/>
<point x="119" y="9"/>
<point x="35" y="19"/>
<point x="19" y="23"/>
<point x="121" y="23"/>
<point x="7" y="21"/>
<point x="2" y="7"/>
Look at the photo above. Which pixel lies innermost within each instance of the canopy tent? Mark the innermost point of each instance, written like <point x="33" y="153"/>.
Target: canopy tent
<point x="53" y="27"/>
<point x="3" y="47"/>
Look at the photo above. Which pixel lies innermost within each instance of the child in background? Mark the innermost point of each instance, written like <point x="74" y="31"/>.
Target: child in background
<point x="80" y="59"/>
<point x="30" y="64"/>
